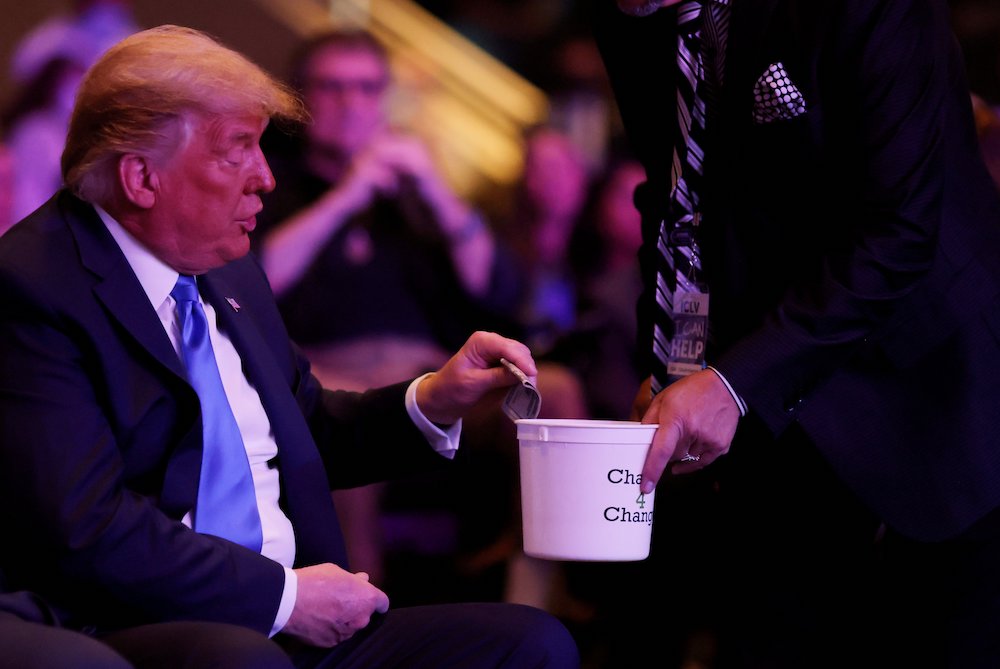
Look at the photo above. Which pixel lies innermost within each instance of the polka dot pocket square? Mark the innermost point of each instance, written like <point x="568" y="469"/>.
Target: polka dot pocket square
<point x="775" y="97"/>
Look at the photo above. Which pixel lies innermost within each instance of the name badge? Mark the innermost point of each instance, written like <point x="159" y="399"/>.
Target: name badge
<point x="687" y="348"/>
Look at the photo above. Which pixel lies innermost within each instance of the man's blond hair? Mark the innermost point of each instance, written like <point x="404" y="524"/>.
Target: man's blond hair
<point x="137" y="97"/>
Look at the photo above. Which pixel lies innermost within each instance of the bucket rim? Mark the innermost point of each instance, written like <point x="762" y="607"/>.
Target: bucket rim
<point x="585" y="423"/>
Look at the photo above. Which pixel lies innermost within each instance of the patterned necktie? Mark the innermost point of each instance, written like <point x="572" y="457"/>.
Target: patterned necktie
<point x="699" y="74"/>
<point x="227" y="503"/>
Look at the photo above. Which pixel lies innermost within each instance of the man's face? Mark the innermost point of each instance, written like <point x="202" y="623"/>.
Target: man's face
<point x="344" y="90"/>
<point x="208" y="194"/>
<point x="643" y="7"/>
<point x="555" y="176"/>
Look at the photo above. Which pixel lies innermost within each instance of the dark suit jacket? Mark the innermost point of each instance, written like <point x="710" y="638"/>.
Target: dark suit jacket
<point x="100" y="435"/>
<point x="853" y="252"/>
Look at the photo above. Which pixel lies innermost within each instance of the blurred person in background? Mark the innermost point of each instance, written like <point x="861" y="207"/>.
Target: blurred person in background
<point x="581" y="103"/>
<point x="6" y="188"/>
<point x="35" y="126"/>
<point x="379" y="267"/>
<point x="84" y="32"/>
<point x="988" y="129"/>
<point x="46" y="66"/>
<point x="364" y="205"/>
<point x="601" y="347"/>
<point x="541" y="230"/>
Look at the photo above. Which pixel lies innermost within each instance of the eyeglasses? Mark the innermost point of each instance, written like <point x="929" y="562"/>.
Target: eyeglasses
<point x="340" y="87"/>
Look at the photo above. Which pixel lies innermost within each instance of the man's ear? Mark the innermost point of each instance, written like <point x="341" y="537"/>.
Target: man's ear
<point x="139" y="182"/>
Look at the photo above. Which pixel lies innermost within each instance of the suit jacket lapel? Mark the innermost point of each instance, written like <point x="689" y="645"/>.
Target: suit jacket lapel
<point x="118" y="288"/>
<point x="745" y="54"/>
<point x="259" y="364"/>
<point x="304" y="486"/>
<point x="262" y="370"/>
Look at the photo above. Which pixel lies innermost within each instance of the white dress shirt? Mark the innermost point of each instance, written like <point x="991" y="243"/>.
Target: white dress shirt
<point x="157" y="280"/>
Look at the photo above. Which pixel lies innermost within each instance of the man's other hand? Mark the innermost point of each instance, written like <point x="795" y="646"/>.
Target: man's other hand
<point x="332" y="604"/>
<point x="697" y="417"/>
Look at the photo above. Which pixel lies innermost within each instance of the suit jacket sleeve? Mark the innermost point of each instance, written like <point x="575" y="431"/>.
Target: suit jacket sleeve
<point x="883" y="98"/>
<point x="361" y="437"/>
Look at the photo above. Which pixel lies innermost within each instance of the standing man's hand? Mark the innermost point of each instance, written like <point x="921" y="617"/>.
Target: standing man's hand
<point x="697" y="417"/>
<point x="332" y="604"/>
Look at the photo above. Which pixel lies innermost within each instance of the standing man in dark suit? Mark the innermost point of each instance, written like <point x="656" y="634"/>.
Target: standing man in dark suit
<point x="139" y="339"/>
<point x="823" y="196"/>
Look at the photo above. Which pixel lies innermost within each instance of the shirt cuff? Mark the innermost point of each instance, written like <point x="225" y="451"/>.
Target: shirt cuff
<point x="288" y="596"/>
<point x="739" y="400"/>
<point x="444" y="441"/>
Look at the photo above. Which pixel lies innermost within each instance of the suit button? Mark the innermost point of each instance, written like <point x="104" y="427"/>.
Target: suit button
<point x="791" y="406"/>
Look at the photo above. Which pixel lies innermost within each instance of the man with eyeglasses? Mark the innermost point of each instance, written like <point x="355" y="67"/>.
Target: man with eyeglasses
<point x="362" y="206"/>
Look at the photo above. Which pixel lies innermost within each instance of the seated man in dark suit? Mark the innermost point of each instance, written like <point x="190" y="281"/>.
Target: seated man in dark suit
<point x="142" y="345"/>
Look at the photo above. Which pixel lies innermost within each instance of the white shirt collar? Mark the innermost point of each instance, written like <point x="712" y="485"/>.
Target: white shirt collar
<point x="156" y="277"/>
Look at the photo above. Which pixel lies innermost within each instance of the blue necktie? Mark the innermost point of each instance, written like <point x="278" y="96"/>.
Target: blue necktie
<point x="227" y="503"/>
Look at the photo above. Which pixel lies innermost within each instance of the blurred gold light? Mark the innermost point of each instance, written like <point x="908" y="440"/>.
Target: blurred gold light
<point x="469" y="106"/>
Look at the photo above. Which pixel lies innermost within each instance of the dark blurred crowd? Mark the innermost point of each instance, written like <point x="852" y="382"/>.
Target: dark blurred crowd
<point x="381" y="268"/>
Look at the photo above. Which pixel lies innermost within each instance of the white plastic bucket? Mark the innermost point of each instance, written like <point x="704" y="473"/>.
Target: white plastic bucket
<point x="580" y="497"/>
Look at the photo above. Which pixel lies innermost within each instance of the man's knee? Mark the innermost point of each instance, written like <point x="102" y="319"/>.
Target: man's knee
<point x="29" y="645"/>
<point x="545" y="643"/>
<point x="198" y="645"/>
